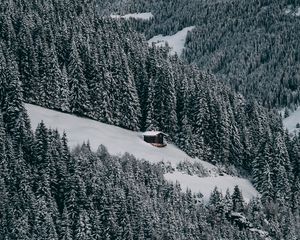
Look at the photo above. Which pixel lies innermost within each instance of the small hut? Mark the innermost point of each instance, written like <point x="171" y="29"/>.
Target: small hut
<point x="156" y="138"/>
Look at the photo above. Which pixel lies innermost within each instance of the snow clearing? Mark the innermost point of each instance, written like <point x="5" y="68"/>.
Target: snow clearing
<point x="176" y="42"/>
<point x="119" y="141"/>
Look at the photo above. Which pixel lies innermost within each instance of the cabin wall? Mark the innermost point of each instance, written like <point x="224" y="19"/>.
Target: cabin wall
<point x="149" y="139"/>
<point x="154" y="139"/>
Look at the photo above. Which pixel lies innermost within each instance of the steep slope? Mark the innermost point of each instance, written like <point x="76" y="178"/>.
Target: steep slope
<point x="119" y="141"/>
<point x="252" y="45"/>
<point x="116" y="139"/>
<point x="101" y="69"/>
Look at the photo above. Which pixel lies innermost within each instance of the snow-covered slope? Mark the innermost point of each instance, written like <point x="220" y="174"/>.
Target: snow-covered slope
<point x="119" y="140"/>
<point x="176" y="41"/>
<point x="291" y="121"/>
<point x="141" y="16"/>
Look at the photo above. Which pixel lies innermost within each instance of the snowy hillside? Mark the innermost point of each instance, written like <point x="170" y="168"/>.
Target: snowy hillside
<point x="176" y="41"/>
<point x="119" y="140"/>
<point x="141" y="16"/>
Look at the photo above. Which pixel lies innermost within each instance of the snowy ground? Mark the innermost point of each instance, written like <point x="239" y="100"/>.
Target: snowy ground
<point x="119" y="140"/>
<point x="141" y="16"/>
<point x="176" y="41"/>
<point x="291" y="121"/>
<point x="116" y="139"/>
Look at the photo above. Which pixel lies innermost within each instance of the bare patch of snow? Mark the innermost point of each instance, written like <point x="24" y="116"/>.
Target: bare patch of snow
<point x="206" y="185"/>
<point x="141" y="16"/>
<point x="176" y="41"/>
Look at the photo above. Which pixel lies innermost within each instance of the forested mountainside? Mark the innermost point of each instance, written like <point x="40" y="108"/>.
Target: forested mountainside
<point x="61" y="55"/>
<point x="252" y="45"/>
<point x="48" y="192"/>
<point x="69" y="59"/>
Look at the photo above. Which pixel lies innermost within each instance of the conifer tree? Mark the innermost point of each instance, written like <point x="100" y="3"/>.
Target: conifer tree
<point x="64" y="92"/>
<point x="79" y="99"/>
<point x="237" y="200"/>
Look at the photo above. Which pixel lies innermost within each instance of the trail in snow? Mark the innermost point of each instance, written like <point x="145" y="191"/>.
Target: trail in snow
<point x="118" y="141"/>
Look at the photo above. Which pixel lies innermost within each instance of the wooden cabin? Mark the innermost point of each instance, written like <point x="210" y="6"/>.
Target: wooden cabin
<point x="156" y="138"/>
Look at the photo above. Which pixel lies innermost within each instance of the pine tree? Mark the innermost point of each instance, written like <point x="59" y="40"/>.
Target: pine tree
<point x="28" y="65"/>
<point x="13" y="101"/>
<point x="65" y="233"/>
<point x="237" y="200"/>
<point x="151" y="122"/>
<point x="83" y="228"/>
<point x="79" y="99"/>
<point x="43" y="227"/>
<point x="64" y="92"/>
<point x="52" y="78"/>
<point x="41" y="146"/>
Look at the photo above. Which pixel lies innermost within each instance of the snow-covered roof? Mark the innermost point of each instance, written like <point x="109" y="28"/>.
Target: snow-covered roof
<point x="153" y="133"/>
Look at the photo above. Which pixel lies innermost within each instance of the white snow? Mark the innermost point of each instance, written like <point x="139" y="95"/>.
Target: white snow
<point x="294" y="12"/>
<point x="206" y="185"/>
<point x="288" y="10"/>
<point x="176" y="41"/>
<point x="291" y="121"/>
<point x="141" y="16"/>
<point x="118" y="141"/>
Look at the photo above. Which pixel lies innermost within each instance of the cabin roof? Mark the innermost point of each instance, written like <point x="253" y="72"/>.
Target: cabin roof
<point x="153" y="133"/>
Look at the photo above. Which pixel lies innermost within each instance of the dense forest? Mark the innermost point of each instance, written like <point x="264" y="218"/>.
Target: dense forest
<point x="252" y="45"/>
<point x="62" y="55"/>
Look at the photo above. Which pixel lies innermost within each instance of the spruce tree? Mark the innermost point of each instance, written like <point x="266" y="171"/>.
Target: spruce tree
<point x="79" y="99"/>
